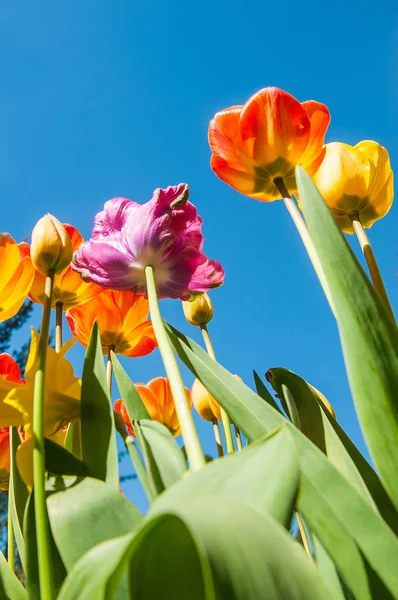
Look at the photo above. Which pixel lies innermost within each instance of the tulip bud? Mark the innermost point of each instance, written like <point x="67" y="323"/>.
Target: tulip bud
<point x="325" y="402"/>
<point x="51" y="247"/>
<point x="199" y="311"/>
<point x="205" y="404"/>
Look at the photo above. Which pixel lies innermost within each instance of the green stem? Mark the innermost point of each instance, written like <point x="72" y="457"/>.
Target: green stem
<point x="226" y="421"/>
<point x="10" y="529"/>
<point x="371" y="261"/>
<point x="217" y="437"/>
<point x="109" y="369"/>
<point x="58" y="326"/>
<point x="184" y="413"/>
<point x="41" y="517"/>
<point x="302" y="229"/>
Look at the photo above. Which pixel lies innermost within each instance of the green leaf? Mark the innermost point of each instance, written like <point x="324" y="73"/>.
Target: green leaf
<point x="87" y="513"/>
<point x="135" y="407"/>
<point x="18" y="494"/>
<point x="317" y="423"/>
<point x="99" y="449"/>
<point x="331" y="507"/>
<point x="73" y="439"/>
<point x="165" y="463"/>
<point x="10" y="586"/>
<point x="369" y="336"/>
<point x="31" y="558"/>
<point x="263" y="392"/>
<point x="228" y="551"/>
<point x="60" y="461"/>
<point x="264" y="477"/>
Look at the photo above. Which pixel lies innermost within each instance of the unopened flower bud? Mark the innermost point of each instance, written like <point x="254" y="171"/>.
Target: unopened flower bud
<point x="205" y="404"/>
<point x="199" y="311"/>
<point x="51" y="247"/>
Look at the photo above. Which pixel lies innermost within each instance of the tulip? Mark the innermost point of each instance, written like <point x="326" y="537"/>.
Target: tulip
<point x="17" y="274"/>
<point x="158" y="401"/>
<point x="258" y="145"/>
<point x="122" y="319"/>
<point x="356" y="181"/>
<point x="165" y="234"/>
<point x="204" y="403"/>
<point x="69" y="288"/>
<point x="198" y="311"/>
<point x="51" y="248"/>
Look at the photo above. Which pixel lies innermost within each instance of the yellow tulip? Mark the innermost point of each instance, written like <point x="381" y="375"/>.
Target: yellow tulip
<point x="199" y="311"/>
<point x="51" y="248"/>
<point x="356" y="181"/>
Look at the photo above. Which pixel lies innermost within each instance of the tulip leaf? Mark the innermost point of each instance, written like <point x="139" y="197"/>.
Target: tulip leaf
<point x="18" y="494"/>
<point x="263" y="392"/>
<point x="99" y="451"/>
<point x="135" y="407"/>
<point x="86" y="514"/>
<point x="363" y="555"/>
<point x="227" y="551"/>
<point x="73" y="439"/>
<point x="368" y="335"/>
<point x="31" y="557"/>
<point x="60" y="461"/>
<point x="10" y="586"/>
<point x="264" y="477"/>
<point x="165" y="463"/>
<point x="321" y="427"/>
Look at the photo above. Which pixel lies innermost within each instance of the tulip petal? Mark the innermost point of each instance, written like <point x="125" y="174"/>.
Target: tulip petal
<point x="15" y="292"/>
<point x="110" y="221"/>
<point x="379" y="163"/>
<point x="319" y="117"/>
<point x="142" y="341"/>
<point x="379" y="205"/>
<point x="226" y="143"/>
<point x="274" y="125"/>
<point x="9" y="368"/>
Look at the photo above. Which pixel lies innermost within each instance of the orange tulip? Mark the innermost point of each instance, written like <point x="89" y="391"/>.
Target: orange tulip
<point x="122" y="321"/>
<point x="158" y="400"/>
<point x="16" y="277"/>
<point x="10" y="371"/>
<point x="69" y="288"/>
<point x="262" y="141"/>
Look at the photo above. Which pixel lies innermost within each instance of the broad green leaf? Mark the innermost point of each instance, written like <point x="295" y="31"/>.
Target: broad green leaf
<point x="264" y="477"/>
<point x="86" y="514"/>
<point x="18" y="495"/>
<point x="165" y="463"/>
<point x="10" y="586"/>
<point x="328" y="502"/>
<point x="320" y="426"/>
<point x="327" y="568"/>
<point x="138" y="465"/>
<point x="263" y="392"/>
<point x="205" y="549"/>
<point x="31" y="557"/>
<point x="73" y="439"/>
<point x="135" y="407"/>
<point x="99" y="452"/>
<point x="60" y="461"/>
<point x="369" y="337"/>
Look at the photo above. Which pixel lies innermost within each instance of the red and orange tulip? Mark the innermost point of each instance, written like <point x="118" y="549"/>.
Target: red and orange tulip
<point x="122" y="320"/>
<point x="69" y="288"/>
<point x="16" y="278"/>
<point x="265" y="139"/>
<point x="158" y="400"/>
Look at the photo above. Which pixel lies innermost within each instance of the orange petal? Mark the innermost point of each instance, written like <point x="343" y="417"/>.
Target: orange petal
<point x="13" y="295"/>
<point x="273" y="124"/>
<point x="142" y="341"/>
<point x="225" y="141"/>
<point x="319" y="117"/>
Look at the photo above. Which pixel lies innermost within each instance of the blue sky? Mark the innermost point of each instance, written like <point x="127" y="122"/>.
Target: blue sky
<point x="102" y="99"/>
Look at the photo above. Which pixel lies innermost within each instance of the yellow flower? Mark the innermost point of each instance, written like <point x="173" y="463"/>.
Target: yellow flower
<point x="205" y="404"/>
<point x="61" y="402"/>
<point x="51" y="248"/>
<point x="17" y="274"/>
<point x="199" y="311"/>
<point x="356" y="180"/>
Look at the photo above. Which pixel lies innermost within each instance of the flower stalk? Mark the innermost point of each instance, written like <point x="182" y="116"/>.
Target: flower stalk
<point x="42" y="523"/>
<point x="58" y="326"/>
<point x="371" y="261"/>
<point x="217" y="437"/>
<point x="189" y="433"/>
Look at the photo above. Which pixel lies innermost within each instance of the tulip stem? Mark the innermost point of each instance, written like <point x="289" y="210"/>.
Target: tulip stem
<point x="226" y="421"/>
<point x="184" y="413"/>
<point x="58" y="326"/>
<point x="371" y="261"/>
<point x="217" y="437"/>
<point x="39" y="469"/>
<point x="238" y="438"/>
<point x="109" y="369"/>
<point x="302" y="229"/>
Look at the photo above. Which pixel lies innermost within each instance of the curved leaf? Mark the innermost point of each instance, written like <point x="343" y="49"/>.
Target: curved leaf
<point x="10" y="586"/>
<point x="135" y="407"/>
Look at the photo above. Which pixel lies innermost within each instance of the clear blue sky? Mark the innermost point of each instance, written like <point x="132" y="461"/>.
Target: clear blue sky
<point x="101" y="99"/>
